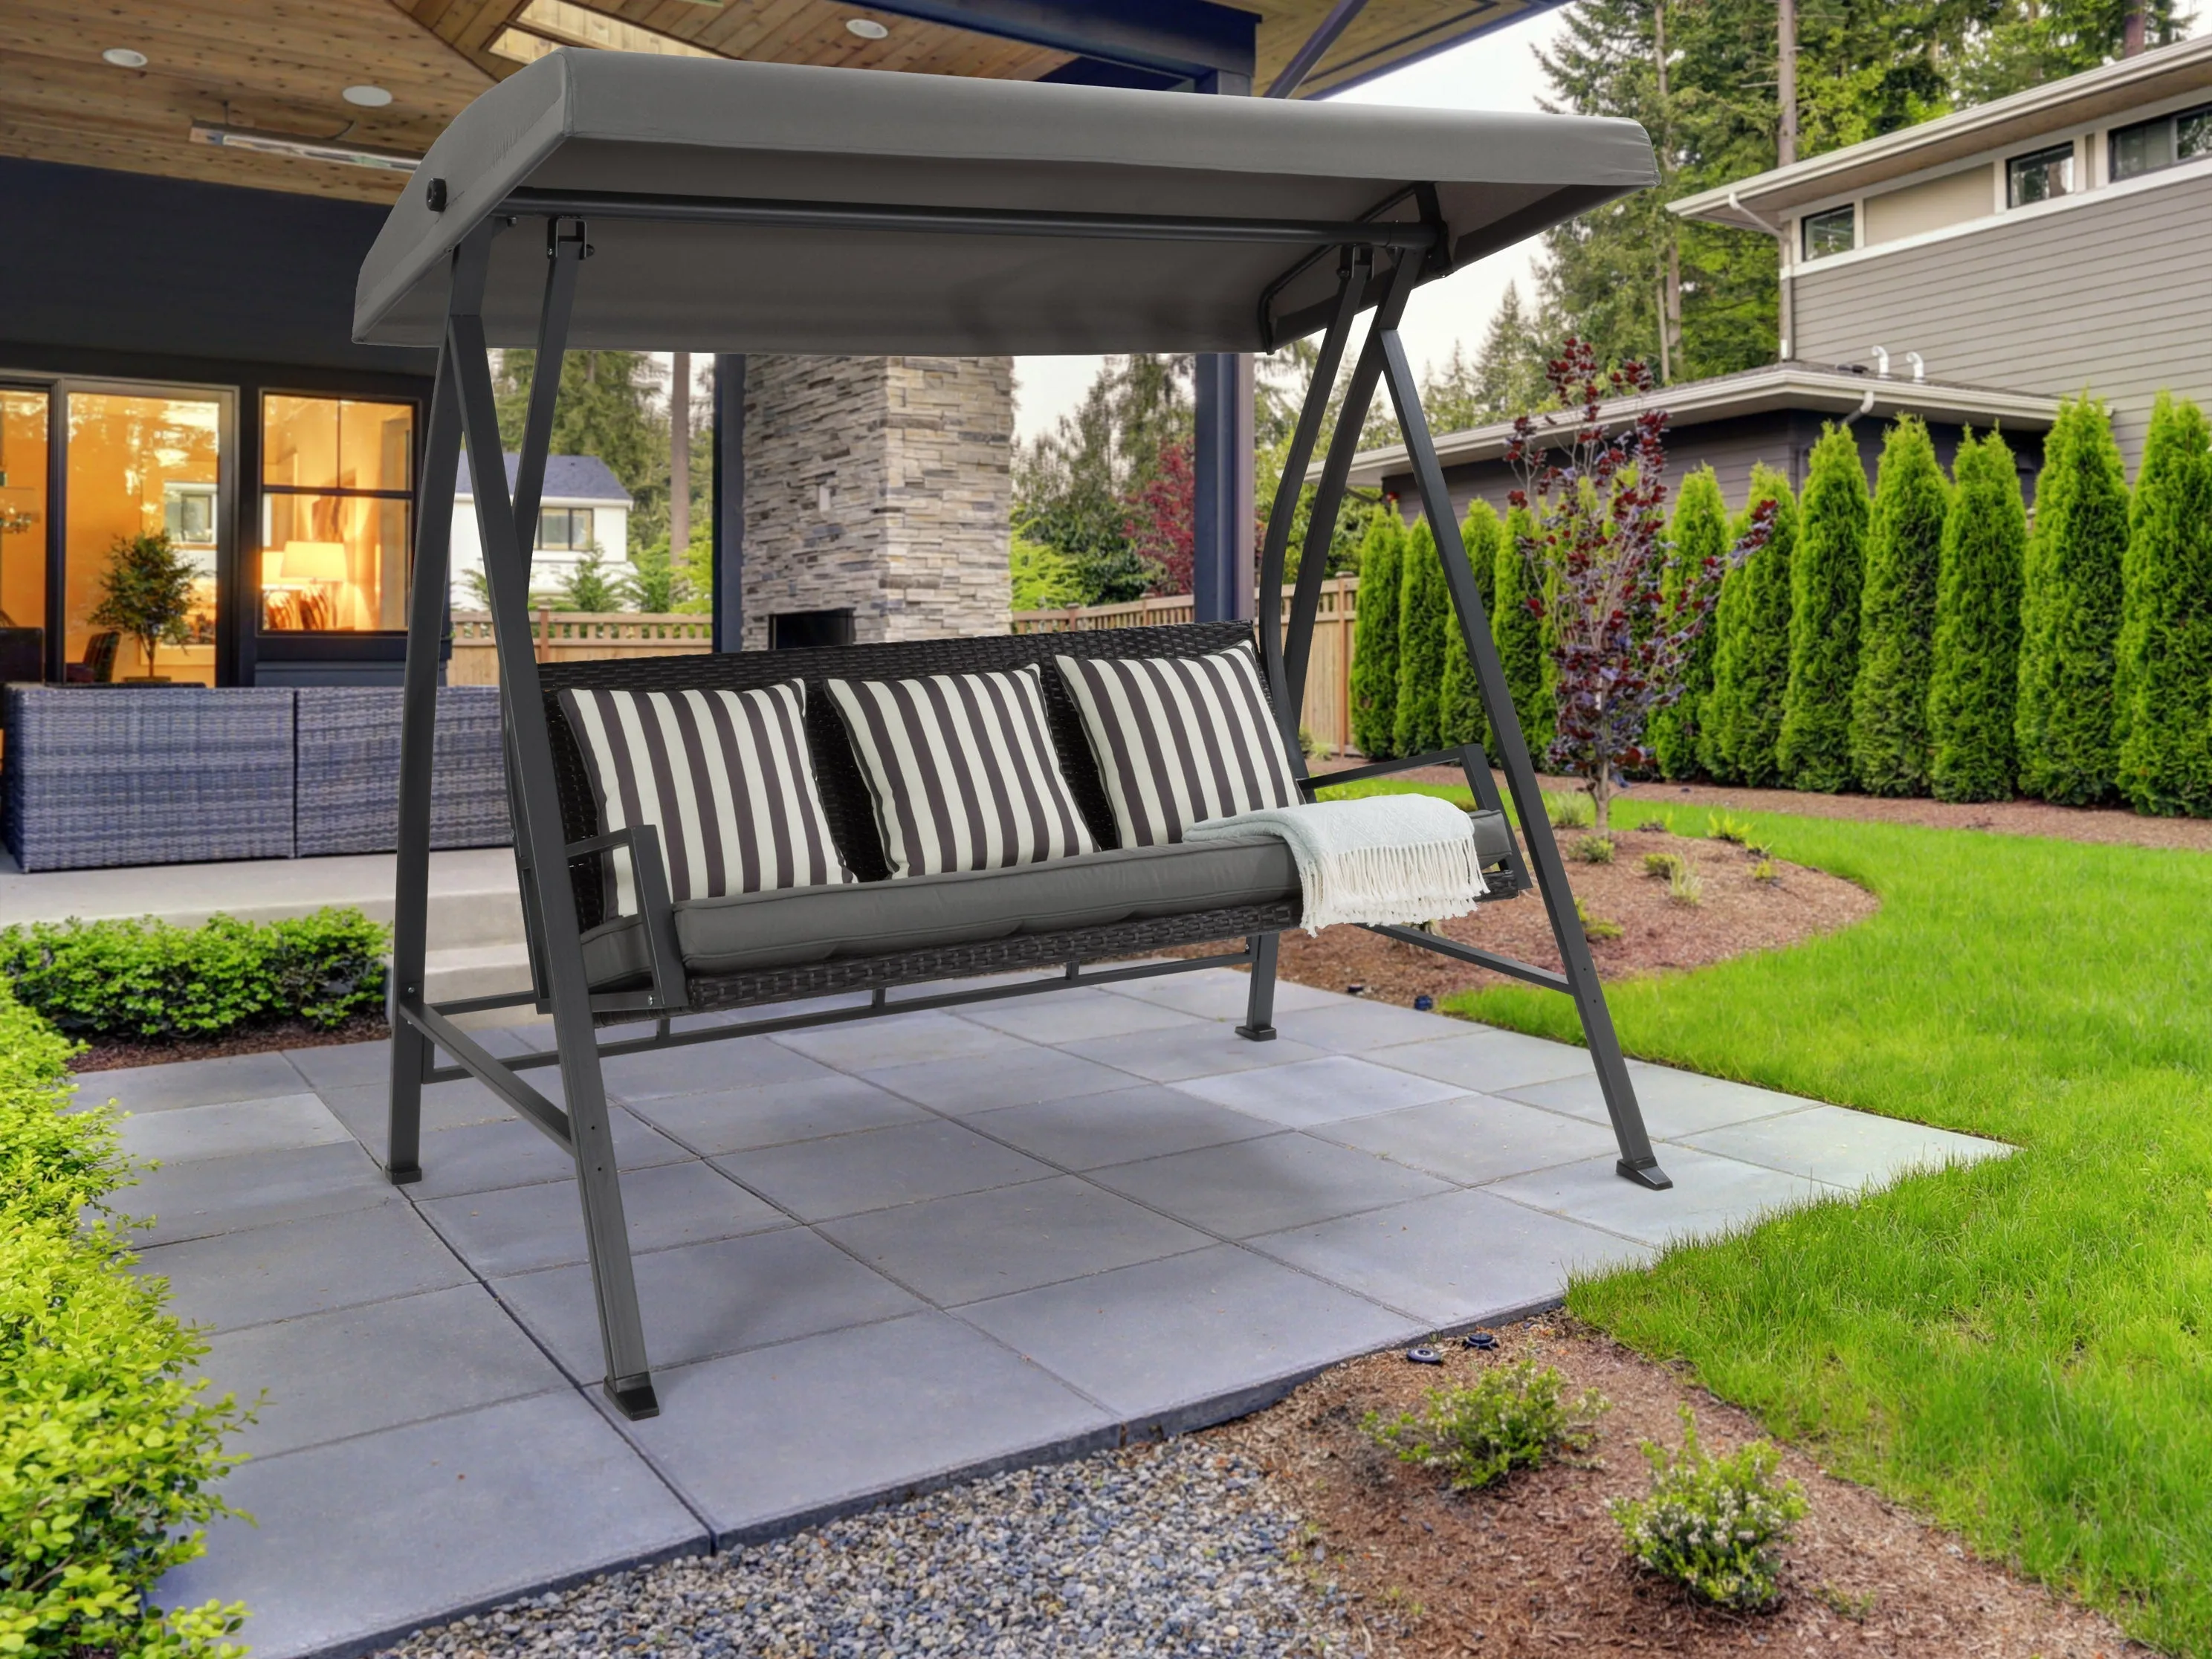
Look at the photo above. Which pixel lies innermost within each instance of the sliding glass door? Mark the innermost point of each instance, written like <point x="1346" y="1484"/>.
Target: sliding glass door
<point x="24" y="457"/>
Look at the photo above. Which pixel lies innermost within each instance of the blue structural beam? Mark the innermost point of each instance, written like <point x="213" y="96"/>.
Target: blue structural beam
<point x="1179" y="40"/>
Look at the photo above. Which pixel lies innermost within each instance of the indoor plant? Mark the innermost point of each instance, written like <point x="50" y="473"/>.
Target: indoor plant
<point x="146" y="593"/>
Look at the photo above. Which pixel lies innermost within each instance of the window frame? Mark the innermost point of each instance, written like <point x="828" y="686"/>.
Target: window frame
<point x="2069" y="152"/>
<point x="571" y="545"/>
<point x="264" y="489"/>
<point x="2172" y="122"/>
<point x="1848" y="212"/>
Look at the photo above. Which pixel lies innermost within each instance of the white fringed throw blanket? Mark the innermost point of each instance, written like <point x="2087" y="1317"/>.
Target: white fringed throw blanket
<point x="1381" y="859"/>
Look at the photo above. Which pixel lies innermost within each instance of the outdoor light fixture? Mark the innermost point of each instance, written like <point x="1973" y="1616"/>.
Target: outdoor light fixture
<point x="866" y="27"/>
<point x="366" y="97"/>
<point x="300" y="147"/>
<point x="124" y="58"/>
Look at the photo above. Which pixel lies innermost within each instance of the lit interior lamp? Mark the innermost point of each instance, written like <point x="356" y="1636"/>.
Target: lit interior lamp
<point x="311" y="564"/>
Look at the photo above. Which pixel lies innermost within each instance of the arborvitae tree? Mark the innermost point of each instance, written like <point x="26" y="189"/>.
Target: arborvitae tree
<point x="1975" y="683"/>
<point x="1423" y="616"/>
<point x="2165" y="751"/>
<point x="2070" y="612"/>
<point x="1826" y="577"/>
<point x="1699" y="532"/>
<point x="1897" y="615"/>
<point x="1375" y="638"/>
<point x="1523" y="642"/>
<point x="1459" y="704"/>
<point x="1741" y="720"/>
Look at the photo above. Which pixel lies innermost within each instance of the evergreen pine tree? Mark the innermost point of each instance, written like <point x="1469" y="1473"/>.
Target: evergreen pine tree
<point x="1826" y="577"/>
<point x="1897" y="615"/>
<point x="1699" y="531"/>
<point x="1423" y="614"/>
<point x="1974" y="684"/>
<point x="2070" y="612"/>
<point x="1375" y="638"/>
<point x="1523" y="637"/>
<point x="1459" y="704"/>
<point x="1741" y="720"/>
<point x="2165" y="751"/>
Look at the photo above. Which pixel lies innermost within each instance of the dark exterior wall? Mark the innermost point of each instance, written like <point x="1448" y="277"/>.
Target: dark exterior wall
<point x="1781" y="438"/>
<point x="117" y="275"/>
<point x="2113" y="294"/>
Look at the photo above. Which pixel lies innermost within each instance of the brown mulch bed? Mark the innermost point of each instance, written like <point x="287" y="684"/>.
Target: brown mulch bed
<point x="111" y="1054"/>
<point x="1535" y="1566"/>
<point x="2114" y="825"/>
<point x="1738" y="914"/>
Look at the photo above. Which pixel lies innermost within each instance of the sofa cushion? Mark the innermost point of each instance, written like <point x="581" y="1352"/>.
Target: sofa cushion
<point x="726" y="777"/>
<point x="962" y="770"/>
<point x="1180" y="740"/>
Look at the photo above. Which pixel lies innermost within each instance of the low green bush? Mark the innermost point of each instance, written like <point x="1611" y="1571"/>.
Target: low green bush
<point x="1661" y="865"/>
<point x="107" y="1453"/>
<point x="152" y="980"/>
<point x="1510" y="1417"/>
<point x="1569" y="809"/>
<point x="1712" y="1524"/>
<point x="1685" y="886"/>
<point x="1594" y="850"/>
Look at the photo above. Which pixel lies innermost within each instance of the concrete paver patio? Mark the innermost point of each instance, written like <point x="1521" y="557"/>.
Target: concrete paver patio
<point x="873" y="1257"/>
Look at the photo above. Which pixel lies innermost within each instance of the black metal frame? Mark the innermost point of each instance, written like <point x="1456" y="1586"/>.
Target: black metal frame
<point x="462" y="411"/>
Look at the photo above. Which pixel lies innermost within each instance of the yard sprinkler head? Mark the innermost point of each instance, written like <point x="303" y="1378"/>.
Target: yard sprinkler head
<point x="1424" y="1355"/>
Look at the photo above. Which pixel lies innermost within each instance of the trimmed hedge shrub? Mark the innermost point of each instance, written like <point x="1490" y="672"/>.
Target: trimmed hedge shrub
<point x="1741" y="720"/>
<point x="2064" y="725"/>
<point x="106" y="1452"/>
<point x="1375" y="638"/>
<point x="1699" y="531"/>
<point x="1460" y="718"/>
<point x="1423" y="614"/>
<point x="1826" y="579"/>
<point x="151" y="980"/>
<point x="1974" y="686"/>
<point x="1524" y="640"/>
<point x="2165" y="652"/>
<point x="1897" y="615"/>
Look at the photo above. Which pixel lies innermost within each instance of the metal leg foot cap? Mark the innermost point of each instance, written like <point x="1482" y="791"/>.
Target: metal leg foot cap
<point x="403" y="1175"/>
<point x="1645" y="1173"/>
<point x="1256" y="1033"/>
<point x="634" y="1397"/>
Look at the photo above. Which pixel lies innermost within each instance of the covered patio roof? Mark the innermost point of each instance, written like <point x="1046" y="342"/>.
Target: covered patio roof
<point x="283" y="66"/>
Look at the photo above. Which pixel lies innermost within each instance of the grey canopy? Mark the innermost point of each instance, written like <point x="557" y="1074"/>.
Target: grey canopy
<point x="648" y="144"/>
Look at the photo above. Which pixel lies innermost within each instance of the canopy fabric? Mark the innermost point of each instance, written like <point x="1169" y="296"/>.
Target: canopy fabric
<point x="673" y="129"/>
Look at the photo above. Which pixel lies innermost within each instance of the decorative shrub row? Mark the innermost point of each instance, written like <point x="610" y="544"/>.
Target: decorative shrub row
<point x="106" y="1452"/>
<point x="149" y="980"/>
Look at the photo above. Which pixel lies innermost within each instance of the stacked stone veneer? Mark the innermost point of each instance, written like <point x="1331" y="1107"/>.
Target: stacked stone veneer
<point x="880" y="483"/>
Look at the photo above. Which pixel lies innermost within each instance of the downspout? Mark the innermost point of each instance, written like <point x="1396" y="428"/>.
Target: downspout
<point x="1788" y="268"/>
<point x="1866" y="406"/>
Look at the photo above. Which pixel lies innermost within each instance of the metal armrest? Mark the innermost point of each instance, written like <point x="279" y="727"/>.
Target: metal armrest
<point x="657" y="915"/>
<point x="1385" y="768"/>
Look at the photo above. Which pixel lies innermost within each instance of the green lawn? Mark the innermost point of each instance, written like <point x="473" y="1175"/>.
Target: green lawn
<point x="2022" y="1351"/>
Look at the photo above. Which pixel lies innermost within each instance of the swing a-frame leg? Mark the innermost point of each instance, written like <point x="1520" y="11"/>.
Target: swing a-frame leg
<point x="1383" y="361"/>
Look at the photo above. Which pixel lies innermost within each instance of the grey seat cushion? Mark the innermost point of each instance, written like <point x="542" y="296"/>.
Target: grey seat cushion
<point x="797" y="924"/>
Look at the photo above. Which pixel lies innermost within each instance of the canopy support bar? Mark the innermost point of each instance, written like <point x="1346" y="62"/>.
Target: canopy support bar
<point x="1637" y="1163"/>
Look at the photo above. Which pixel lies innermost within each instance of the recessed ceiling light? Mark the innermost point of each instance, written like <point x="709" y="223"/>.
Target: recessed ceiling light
<point x="124" y="58"/>
<point x="366" y="97"/>
<point x="866" y="27"/>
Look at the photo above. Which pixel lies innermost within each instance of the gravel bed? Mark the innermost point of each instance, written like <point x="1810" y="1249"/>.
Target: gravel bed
<point x="1173" y="1550"/>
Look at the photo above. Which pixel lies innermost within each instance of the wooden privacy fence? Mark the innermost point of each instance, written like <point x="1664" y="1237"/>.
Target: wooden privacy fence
<point x="567" y="635"/>
<point x="1327" y="716"/>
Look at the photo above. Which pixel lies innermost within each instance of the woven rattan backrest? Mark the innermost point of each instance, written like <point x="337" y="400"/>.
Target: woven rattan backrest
<point x="845" y="799"/>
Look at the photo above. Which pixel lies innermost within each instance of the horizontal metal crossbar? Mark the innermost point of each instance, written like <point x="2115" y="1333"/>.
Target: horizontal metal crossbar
<point x="1385" y="768"/>
<point x="496" y="1075"/>
<point x="1451" y="947"/>
<point x="971" y="221"/>
<point x="877" y="1006"/>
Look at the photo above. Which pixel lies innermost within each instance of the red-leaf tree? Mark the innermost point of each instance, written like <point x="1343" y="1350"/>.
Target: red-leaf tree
<point x="1160" y="516"/>
<point x="1597" y="498"/>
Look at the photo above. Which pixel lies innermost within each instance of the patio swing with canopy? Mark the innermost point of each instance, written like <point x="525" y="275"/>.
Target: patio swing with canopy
<point x="600" y="200"/>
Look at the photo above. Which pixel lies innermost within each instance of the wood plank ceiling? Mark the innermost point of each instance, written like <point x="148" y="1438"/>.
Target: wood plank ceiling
<point x="281" y="65"/>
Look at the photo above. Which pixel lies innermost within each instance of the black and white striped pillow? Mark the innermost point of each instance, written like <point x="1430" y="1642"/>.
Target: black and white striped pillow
<point x="962" y="771"/>
<point x="726" y="778"/>
<point x="1180" y="740"/>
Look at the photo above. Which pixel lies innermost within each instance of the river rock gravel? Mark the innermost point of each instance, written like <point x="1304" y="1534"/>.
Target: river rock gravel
<point x="1173" y="1550"/>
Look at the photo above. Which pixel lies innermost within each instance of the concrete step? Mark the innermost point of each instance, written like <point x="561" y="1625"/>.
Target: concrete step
<point x="480" y="971"/>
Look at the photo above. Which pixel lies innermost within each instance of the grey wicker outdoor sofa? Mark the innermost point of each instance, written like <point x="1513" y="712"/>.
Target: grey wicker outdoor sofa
<point x="608" y="200"/>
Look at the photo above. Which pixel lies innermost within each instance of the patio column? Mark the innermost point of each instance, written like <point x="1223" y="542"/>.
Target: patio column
<point x="729" y="508"/>
<point x="1222" y="552"/>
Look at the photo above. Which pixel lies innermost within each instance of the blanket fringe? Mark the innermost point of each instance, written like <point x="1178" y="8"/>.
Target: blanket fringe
<point x="1423" y="882"/>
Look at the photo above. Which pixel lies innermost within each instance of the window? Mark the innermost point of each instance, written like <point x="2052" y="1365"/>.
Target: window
<point x="1835" y="231"/>
<point x="336" y="476"/>
<point x="2044" y="176"/>
<point x="2149" y="145"/>
<point x="565" y="530"/>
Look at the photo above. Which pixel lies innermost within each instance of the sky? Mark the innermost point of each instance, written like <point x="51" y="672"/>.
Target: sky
<point x="1498" y="72"/>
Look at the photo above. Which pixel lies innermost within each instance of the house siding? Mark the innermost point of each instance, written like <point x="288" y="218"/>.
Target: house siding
<point x="2113" y="296"/>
